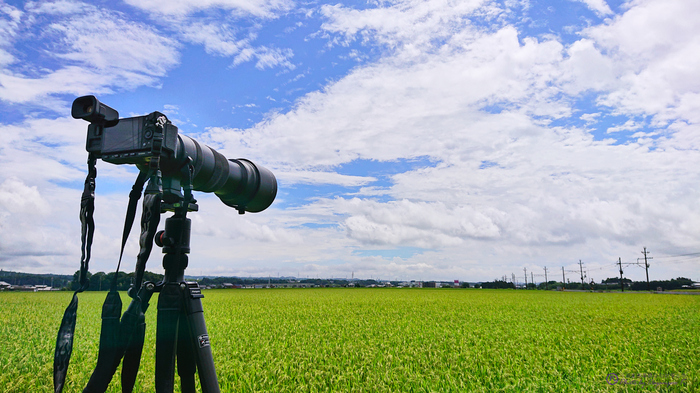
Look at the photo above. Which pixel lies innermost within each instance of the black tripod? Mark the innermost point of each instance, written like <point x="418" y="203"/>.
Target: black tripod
<point x="181" y="332"/>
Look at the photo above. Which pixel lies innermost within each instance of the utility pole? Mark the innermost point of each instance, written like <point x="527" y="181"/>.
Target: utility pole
<point x="580" y="264"/>
<point x="646" y="266"/>
<point x="563" y="278"/>
<point x="525" y="270"/>
<point x="545" y="278"/>
<point x="619" y="262"/>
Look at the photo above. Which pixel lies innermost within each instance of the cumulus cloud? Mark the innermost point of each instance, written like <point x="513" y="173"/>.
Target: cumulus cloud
<point x="417" y="224"/>
<point x="656" y="48"/>
<point x="464" y="95"/>
<point x="27" y="239"/>
<point x="382" y="112"/>
<point x="504" y="123"/>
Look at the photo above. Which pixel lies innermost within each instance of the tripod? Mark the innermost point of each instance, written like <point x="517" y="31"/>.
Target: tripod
<point x="181" y="332"/>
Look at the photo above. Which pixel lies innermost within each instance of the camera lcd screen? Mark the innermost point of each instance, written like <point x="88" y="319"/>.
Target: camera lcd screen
<point x="123" y="137"/>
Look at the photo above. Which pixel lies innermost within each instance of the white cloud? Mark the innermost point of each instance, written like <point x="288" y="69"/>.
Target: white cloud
<point x="590" y="117"/>
<point x="9" y="27"/>
<point x="92" y="51"/>
<point x="382" y="112"/>
<point x="217" y="38"/>
<point x="554" y="191"/>
<point x="221" y="40"/>
<point x="258" y="8"/>
<point x="417" y="224"/>
<point x="456" y="85"/>
<point x="313" y="177"/>
<point x="630" y="125"/>
<point x="30" y="235"/>
<point x="656" y="51"/>
<point x="600" y="7"/>
<point x="413" y="25"/>
<point x="17" y="197"/>
<point x="266" y="57"/>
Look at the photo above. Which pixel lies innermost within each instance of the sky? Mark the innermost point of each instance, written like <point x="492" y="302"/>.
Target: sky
<point x="411" y="139"/>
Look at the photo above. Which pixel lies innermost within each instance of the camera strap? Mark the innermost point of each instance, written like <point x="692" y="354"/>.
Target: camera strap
<point x="125" y="338"/>
<point x="111" y="341"/>
<point x="115" y="335"/>
<point x="64" y="339"/>
<point x="134" y="319"/>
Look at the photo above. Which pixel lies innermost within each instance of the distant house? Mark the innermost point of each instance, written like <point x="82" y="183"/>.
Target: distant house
<point x="4" y="285"/>
<point x="24" y="288"/>
<point x="295" y="285"/>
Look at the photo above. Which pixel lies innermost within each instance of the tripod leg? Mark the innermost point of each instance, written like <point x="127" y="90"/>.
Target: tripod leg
<point x="169" y="309"/>
<point x="200" y="339"/>
<point x="186" y="362"/>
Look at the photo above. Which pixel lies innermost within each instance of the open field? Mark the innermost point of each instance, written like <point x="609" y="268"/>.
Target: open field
<point x="390" y="340"/>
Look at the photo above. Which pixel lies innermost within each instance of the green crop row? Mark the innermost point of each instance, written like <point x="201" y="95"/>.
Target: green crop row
<point x="391" y="340"/>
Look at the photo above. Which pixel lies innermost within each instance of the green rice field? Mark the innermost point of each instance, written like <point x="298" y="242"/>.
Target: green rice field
<point x="391" y="340"/>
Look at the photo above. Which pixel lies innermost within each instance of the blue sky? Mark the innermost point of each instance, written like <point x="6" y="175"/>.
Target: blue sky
<point x="429" y="139"/>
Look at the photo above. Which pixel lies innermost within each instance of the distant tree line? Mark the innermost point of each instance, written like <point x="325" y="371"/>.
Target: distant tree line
<point x="321" y="282"/>
<point x="497" y="284"/>
<point x="21" y="279"/>
<point x="101" y="281"/>
<point x="666" y="285"/>
<point x="612" y="283"/>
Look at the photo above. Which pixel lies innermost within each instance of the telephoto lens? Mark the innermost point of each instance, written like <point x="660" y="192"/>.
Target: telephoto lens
<point x="238" y="183"/>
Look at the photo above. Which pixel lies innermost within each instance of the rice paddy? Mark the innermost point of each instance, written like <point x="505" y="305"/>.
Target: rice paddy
<point x="391" y="340"/>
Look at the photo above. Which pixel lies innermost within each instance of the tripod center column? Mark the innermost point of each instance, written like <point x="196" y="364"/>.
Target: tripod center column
<point x="176" y="246"/>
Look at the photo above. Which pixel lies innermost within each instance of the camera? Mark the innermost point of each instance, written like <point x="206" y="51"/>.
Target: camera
<point x="239" y="183"/>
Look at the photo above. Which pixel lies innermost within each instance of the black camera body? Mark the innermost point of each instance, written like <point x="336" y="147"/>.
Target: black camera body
<point x="133" y="140"/>
<point x="239" y="183"/>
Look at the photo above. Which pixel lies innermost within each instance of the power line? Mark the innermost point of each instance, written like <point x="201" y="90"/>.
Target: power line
<point x="679" y="255"/>
<point x="679" y="260"/>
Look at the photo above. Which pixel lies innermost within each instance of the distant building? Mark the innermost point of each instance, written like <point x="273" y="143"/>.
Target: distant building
<point x="294" y="285"/>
